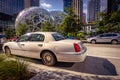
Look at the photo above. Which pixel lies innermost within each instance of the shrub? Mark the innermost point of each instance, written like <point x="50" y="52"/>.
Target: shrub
<point x="2" y="58"/>
<point x="81" y="35"/>
<point x="13" y="70"/>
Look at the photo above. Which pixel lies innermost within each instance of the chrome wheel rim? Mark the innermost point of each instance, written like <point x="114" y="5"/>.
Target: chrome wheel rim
<point x="93" y="42"/>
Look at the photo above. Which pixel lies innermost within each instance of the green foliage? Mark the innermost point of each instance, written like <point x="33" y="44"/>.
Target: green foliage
<point x="109" y="22"/>
<point x="47" y="27"/>
<point x="70" y="24"/>
<point x="21" y="29"/>
<point x="80" y="35"/>
<point x="13" y="70"/>
<point x="9" y="32"/>
<point x="2" y="58"/>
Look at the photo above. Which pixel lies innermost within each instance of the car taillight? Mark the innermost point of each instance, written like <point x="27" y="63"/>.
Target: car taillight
<point x="76" y="47"/>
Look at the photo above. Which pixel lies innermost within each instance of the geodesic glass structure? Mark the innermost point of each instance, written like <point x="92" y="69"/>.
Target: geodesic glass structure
<point x="33" y="17"/>
<point x="58" y="16"/>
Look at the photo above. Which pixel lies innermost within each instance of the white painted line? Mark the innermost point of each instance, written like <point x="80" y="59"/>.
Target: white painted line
<point x="104" y="56"/>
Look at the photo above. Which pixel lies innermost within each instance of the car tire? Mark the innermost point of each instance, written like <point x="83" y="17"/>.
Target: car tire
<point x="48" y="58"/>
<point x="93" y="41"/>
<point x="114" y="42"/>
<point x="7" y="51"/>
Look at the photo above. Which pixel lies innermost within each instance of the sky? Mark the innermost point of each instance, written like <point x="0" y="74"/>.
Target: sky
<point x="51" y="5"/>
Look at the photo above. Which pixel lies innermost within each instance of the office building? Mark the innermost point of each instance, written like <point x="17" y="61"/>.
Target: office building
<point x="113" y="5"/>
<point x="30" y="3"/>
<point x="84" y="18"/>
<point x="66" y="5"/>
<point x="75" y="5"/>
<point x="103" y="6"/>
<point x="9" y="9"/>
<point x="93" y="10"/>
<point x="109" y="6"/>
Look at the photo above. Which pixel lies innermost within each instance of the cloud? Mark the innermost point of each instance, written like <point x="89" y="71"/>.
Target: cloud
<point x="46" y="5"/>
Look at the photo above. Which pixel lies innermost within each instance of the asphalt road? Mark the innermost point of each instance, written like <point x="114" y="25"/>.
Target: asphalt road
<point x="109" y="54"/>
<point x="104" y="50"/>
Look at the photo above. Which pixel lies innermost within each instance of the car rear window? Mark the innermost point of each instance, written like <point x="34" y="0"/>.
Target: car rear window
<point x="58" y="37"/>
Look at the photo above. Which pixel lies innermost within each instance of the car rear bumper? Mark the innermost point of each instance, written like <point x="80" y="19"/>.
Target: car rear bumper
<point x="72" y="57"/>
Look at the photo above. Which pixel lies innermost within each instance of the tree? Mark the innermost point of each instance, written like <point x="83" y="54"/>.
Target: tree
<point x="109" y="23"/>
<point x="9" y="32"/>
<point x="47" y="27"/>
<point x="21" y="29"/>
<point x="70" y="24"/>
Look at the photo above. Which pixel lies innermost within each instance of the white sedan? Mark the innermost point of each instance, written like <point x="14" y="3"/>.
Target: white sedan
<point x="48" y="46"/>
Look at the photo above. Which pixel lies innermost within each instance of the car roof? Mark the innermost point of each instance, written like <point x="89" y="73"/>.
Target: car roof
<point x="42" y="32"/>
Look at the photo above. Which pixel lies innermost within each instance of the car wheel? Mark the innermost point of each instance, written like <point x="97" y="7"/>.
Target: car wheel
<point x="114" y="41"/>
<point x="48" y="58"/>
<point x="7" y="51"/>
<point x="93" y="41"/>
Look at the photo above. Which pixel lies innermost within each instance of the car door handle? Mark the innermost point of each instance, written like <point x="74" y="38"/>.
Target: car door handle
<point x="40" y="45"/>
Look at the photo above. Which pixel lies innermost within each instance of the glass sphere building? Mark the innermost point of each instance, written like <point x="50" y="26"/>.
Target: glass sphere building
<point x="33" y="17"/>
<point x="58" y="16"/>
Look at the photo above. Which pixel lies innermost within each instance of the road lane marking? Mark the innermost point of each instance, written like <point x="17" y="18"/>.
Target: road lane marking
<point x="103" y="56"/>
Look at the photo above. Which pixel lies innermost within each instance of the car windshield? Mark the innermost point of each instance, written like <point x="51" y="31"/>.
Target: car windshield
<point x="58" y="37"/>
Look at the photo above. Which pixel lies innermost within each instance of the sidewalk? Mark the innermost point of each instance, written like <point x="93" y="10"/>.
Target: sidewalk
<point x="52" y="73"/>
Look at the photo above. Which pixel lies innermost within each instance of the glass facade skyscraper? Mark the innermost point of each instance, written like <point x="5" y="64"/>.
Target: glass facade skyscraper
<point x="103" y="6"/>
<point x="109" y="6"/>
<point x="66" y="4"/>
<point x="29" y="3"/>
<point x="9" y="10"/>
<point x="75" y="5"/>
<point x="93" y="10"/>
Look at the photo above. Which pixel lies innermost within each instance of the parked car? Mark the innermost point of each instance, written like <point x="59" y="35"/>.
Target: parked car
<point x="48" y="46"/>
<point x="2" y="40"/>
<point x="113" y="38"/>
<point x="14" y="38"/>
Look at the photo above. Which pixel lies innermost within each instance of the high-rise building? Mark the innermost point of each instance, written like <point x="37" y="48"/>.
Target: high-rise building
<point x="93" y="10"/>
<point x="109" y="6"/>
<point x="84" y="18"/>
<point x="77" y="6"/>
<point x="103" y="6"/>
<point x="66" y="5"/>
<point x="9" y="10"/>
<point x="113" y="5"/>
<point x="30" y="3"/>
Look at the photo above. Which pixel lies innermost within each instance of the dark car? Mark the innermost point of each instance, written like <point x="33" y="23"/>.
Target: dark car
<point x="2" y="40"/>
